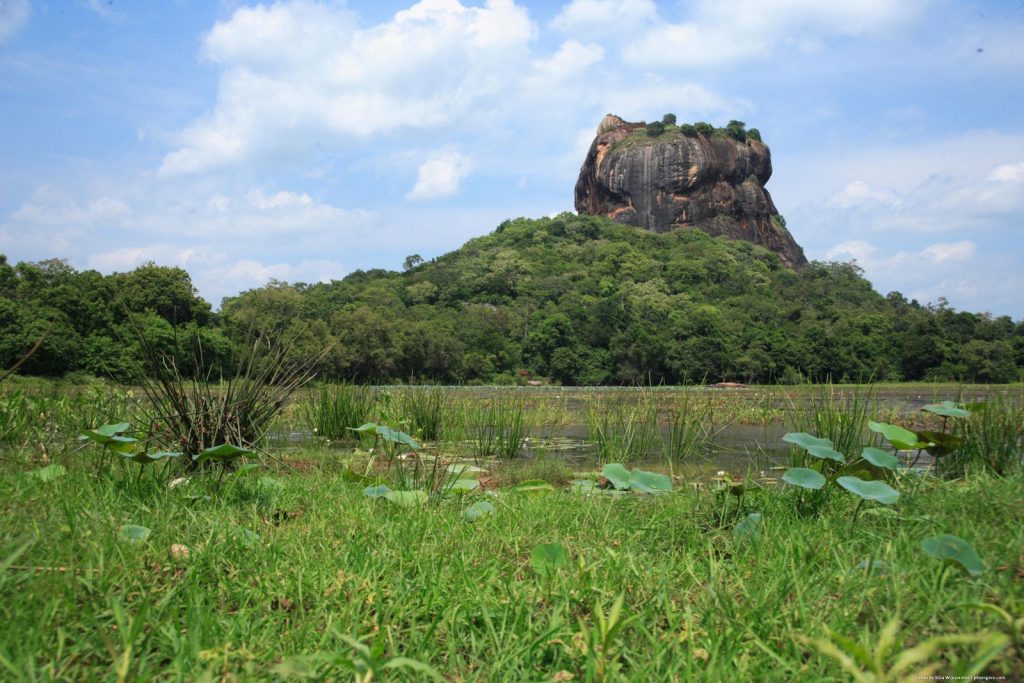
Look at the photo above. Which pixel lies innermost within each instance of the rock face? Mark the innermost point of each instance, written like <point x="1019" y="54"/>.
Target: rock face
<point x="712" y="183"/>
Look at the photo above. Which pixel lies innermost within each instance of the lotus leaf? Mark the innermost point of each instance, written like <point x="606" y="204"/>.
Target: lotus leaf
<point x="460" y="486"/>
<point x="870" y="490"/>
<point x="826" y="453"/>
<point x="548" y="557"/>
<point x="950" y="548"/>
<point x="477" y="510"/>
<point x="533" y="486"/>
<point x="804" y="478"/>
<point x="376" y="491"/>
<point x="133" y="533"/>
<point x="748" y="526"/>
<point x="902" y="439"/>
<point x="50" y="472"/>
<point x="805" y="440"/>
<point x="617" y="474"/>
<point x="880" y="458"/>
<point x="406" y="498"/>
<point x="649" y="482"/>
<point x="222" y="453"/>
<point x="948" y="409"/>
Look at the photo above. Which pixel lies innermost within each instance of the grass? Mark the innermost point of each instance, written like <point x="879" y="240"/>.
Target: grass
<point x="308" y="565"/>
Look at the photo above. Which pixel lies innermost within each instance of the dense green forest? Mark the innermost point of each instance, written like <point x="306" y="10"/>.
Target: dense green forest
<point x="574" y="299"/>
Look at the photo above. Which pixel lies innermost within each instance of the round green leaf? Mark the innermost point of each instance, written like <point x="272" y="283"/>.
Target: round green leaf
<point x="463" y="486"/>
<point x="805" y="440"/>
<point x="548" y="557"/>
<point x="222" y="453"/>
<point x="947" y="409"/>
<point x="902" y="439"/>
<point x="50" y="472"/>
<point x="950" y="548"/>
<point x="617" y="474"/>
<point x="804" y="478"/>
<point x="826" y="453"/>
<point x="748" y="526"/>
<point x="870" y="490"/>
<point x="477" y="510"/>
<point x="880" y="458"/>
<point x="406" y="498"/>
<point x="376" y="491"/>
<point x="649" y="482"/>
<point x="533" y="486"/>
<point x="133" y="533"/>
<point x="463" y="471"/>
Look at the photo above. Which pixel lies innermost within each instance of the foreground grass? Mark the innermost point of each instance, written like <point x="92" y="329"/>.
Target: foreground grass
<point x="276" y="572"/>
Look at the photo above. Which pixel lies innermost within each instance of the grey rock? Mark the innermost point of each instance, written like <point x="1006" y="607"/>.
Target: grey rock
<point x="712" y="183"/>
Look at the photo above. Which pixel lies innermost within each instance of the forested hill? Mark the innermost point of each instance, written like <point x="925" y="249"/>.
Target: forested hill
<point x="576" y="299"/>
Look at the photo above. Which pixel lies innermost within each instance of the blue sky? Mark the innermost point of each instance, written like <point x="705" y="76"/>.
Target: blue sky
<point x="300" y="140"/>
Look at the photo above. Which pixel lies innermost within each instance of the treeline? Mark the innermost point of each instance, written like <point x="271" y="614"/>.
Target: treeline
<point x="575" y="299"/>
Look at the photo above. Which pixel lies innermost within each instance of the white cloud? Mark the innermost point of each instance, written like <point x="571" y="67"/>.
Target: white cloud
<point x="104" y="8"/>
<point x="1008" y="173"/>
<point x="440" y="177"/>
<point x="13" y="15"/>
<point x="572" y="57"/>
<point x="950" y="252"/>
<point x="604" y="15"/>
<point x="859" y="193"/>
<point x="300" y="73"/>
<point x="720" y="33"/>
<point x="51" y="207"/>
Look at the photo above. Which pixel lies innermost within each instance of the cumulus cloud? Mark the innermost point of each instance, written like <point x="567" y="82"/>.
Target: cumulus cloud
<point x="604" y="15"/>
<point x="954" y="269"/>
<point x="302" y="72"/>
<point x="720" y="33"/>
<point x="859" y="193"/>
<point x="13" y="15"/>
<point x="440" y="177"/>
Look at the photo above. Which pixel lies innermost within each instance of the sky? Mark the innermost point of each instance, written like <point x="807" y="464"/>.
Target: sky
<point x="303" y="139"/>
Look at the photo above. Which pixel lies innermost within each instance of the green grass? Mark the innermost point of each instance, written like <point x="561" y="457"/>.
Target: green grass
<point x="322" y="566"/>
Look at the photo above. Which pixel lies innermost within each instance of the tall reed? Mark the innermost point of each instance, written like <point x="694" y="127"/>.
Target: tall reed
<point x="426" y="410"/>
<point x="332" y="410"/>
<point x="689" y="430"/>
<point x="498" y="428"/>
<point x="991" y="437"/>
<point x="623" y="433"/>
<point x="838" y="415"/>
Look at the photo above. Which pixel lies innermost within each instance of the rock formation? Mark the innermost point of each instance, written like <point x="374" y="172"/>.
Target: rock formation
<point x="684" y="179"/>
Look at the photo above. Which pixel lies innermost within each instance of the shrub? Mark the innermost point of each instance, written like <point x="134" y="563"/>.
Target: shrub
<point x="655" y="128"/>
<point x="669" y="119"/>
<point x="737" y="130"/>
<point x="704" y="128"/>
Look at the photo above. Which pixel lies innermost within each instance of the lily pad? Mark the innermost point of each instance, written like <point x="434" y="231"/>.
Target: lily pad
<point x="585" y="486"/>
<point x="533" y="486"/>
<point x="805" y="440"/>
<point x="748" y="526"/>
<point x="132" y="533"/>
<point x="826" y="453"/>
<point x="376" y="491"/>
<point x="870" y="490"/>
<point x="947" y="409"/>
<point x="649" y="482"/>
<point x="902" y="439"/>
<point x="460" y="486"/>
<point x="880" y="458"/>
<point x="549" y="557"/>
<point x="463" y="471"/>
<point x="477" y="510"/>
<point x="617" y="474"/>
<point x="222" y="453"/>
<point x="950" y="548"/>
<point x="804" y="478"/>
<point x="50" y="472"/>
<point x="147" y="458"/>
<point x="406" y="498"/>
